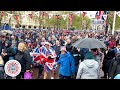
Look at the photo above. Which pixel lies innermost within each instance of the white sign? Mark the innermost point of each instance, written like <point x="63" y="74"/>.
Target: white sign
<point x="12" y="68"/>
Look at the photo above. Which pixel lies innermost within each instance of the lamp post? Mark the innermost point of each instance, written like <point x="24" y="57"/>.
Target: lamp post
<point x="113" y="29"/>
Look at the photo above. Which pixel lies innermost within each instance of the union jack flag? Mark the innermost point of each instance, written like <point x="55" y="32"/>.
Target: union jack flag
<point x="99" y="14"/>
<point x="44" y="54"/>
<point x="36" y="55"/>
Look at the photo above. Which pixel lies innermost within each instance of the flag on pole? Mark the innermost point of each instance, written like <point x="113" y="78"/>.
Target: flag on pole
<point x="99" y="14"/>
<point x="2" y="13"/>
<point x="57" y="17"/>
<point x="16" y="16"/>
<point x="70" y="19"/>
<point x="30" y="15"/>
<point x="43" y="14"/>
<point x="84" y="13"/>
<point x="97" y="17"/>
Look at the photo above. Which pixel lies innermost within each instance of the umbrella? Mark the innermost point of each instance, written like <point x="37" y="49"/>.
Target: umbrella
<point x="90" y="43"/>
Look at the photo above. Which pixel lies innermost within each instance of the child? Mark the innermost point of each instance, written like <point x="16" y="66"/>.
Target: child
<point x="1" y="68"/>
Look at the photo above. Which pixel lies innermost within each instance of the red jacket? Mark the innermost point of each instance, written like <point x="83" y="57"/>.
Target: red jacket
<point x="112" y="44"/>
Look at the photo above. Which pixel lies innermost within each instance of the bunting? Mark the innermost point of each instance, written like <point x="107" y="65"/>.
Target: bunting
<point x="104" y="17"/>
<point x="37" y="13"/>
<point x="23" y="16"/>
<point x="43" y="14"/>
<point x="57" y="17"/>
<point x="50" y="16"/>
<point x="17" y="19"/>
<point x="30" y="15"/>
<point x="9" y="16"/>
<point x="84" y="13"/>
<point x="64" y="16"/>
<point x="2" y="13"/>
<point x="98" y="17"/>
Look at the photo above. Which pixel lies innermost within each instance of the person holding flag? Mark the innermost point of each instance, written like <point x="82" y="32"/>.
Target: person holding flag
<point x="48" y="57"/>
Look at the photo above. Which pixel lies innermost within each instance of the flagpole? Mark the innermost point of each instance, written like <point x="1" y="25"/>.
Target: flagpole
<point x="113" y="28"/>
<point x="81" y="20"/>
<point x="67" y="20"/>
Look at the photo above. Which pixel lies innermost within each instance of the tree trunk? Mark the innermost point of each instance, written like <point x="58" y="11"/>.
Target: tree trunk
<point x="1" y="19"/>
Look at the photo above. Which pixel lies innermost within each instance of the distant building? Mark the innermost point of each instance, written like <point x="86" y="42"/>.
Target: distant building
<point x="24" y="23"/>
<point x="97" y="24"/>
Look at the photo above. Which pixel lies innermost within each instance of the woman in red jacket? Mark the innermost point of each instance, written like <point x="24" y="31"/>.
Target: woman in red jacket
<point x="112" y="43"/>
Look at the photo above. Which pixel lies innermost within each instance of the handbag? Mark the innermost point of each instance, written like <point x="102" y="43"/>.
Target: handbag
<point x="27" y="75"/>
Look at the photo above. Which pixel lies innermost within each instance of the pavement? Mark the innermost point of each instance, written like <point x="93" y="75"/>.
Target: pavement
<point x="35" y="74"/>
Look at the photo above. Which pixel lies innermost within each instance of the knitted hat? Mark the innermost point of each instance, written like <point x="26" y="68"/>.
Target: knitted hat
<point x="89" y="55"/>
<point x="63" y="48"/>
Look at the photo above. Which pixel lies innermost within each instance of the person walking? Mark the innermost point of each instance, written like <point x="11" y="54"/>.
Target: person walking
<point x="67" y="64"/>
<point x="89" y="68"/>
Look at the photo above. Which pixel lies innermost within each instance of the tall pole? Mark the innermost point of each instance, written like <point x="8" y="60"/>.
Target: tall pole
<point x="81" y="21"/>
<point x="113" y="28"/>
<point x="67" y="20"/>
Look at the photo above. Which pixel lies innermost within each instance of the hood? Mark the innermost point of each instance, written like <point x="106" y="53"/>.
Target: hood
<point x="66" y="54"/>
<point x="9" y="44"/>
<point x="89" y="63"/>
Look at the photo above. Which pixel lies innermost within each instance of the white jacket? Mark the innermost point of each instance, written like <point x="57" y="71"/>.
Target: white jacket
<point x="88" y="69"/>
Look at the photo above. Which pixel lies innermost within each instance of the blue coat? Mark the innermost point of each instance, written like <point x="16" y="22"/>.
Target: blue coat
<point x="67" y="64"/>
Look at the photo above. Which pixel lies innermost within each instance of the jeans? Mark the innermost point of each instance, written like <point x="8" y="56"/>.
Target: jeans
<point x="1" y="73"/>
<point x="64" y="77"/>
<point x="40" y="69"/>
<point x="20" y="76"/>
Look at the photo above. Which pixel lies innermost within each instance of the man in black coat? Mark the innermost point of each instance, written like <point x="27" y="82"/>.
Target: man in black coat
<point x="57" y="49"/>
<point x="114" y="67"/>
<point x="68" y="46"/>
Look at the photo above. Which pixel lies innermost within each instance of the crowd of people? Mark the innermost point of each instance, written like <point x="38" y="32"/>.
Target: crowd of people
<point x="52" y="52"/>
